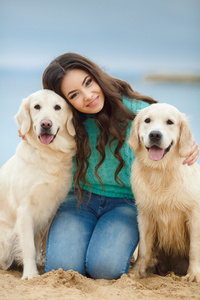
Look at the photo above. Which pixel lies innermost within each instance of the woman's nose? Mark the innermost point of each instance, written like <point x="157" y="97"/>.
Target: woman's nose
<point x="87" y="96"/>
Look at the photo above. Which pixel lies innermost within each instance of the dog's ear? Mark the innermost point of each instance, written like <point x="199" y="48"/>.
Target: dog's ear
<point x="134" y="140"/>
<point x="186" y="137"/>
<point x="23" y="117"/>
<point x="69" y="124"/>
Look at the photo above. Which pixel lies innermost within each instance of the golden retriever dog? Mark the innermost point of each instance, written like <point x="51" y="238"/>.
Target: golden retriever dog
<point x="36" y="179"/>
<point x="167" y="192"/>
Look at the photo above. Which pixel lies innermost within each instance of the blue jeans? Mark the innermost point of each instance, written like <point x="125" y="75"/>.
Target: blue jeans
<point x="96" y="239"/>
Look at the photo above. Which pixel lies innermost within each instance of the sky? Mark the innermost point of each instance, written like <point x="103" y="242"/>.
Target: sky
<point x="118" y="34"/>
<point x="127" y="38"/>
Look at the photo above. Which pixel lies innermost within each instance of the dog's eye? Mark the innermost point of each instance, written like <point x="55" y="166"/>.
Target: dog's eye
<point x="148" y="120"/>
<point x="57" y="107"/>
<point x="37" y="106"/>
<point x="169" y="122"/>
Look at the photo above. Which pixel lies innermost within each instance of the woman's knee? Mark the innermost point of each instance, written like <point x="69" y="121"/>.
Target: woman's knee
<point x="106" y="269"/>
<point x="110" y="259"/>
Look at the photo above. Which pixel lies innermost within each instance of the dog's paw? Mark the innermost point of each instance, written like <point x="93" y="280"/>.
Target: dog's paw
<point x="139" y="271"/>
<point x="193" y="276"/>
<point x="29" y="276"/>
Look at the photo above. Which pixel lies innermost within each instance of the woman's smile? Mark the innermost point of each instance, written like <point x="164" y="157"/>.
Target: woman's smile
<point x="94" y="102"/>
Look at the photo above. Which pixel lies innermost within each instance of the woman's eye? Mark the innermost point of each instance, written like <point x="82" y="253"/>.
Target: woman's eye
<point x="170" y="122"/>
<point x="37" y="106"/>
<point x="88" y="82"/>
<point x="74" y="96"/>
<point x="57" y="107"/>
<point x="147" y="120"/>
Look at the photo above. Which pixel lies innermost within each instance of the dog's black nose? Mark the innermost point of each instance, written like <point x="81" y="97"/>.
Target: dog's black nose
<point x="46" y="124"/>
<point x="155" y="136"/>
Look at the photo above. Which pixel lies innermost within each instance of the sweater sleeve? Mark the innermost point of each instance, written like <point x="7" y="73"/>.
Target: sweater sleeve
<point x="135" y="105"/>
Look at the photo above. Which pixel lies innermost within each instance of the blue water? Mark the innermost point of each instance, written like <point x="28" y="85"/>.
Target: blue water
<point x="13" y="88"/>
<point x="16" y="86"/>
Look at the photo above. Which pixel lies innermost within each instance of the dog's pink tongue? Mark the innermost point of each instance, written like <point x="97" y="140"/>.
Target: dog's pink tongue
<point x="46" y="139"/>
<point x="156" y="153"/>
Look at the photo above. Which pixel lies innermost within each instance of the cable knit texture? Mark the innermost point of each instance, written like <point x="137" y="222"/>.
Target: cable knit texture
<point x="107" y="169"/>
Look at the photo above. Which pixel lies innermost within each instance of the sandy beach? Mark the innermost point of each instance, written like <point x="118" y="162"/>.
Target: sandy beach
<point x="71" y="285"/>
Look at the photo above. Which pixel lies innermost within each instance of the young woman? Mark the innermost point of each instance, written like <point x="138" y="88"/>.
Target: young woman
<point x="95" y="229"/>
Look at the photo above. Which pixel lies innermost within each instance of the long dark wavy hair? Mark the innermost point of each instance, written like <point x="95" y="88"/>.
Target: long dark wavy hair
<point x="112" y="120"/>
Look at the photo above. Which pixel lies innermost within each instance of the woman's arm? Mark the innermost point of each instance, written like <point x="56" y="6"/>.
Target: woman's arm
<point x="194" y="154"/>
<point x="20" y="135"/>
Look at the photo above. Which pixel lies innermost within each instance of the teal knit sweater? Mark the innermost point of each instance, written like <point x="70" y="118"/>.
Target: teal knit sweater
<point x="108" y="168"/>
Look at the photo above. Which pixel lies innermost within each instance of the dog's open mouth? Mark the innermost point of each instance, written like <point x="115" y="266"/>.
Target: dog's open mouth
<point x="156" y="153"/>
<point x="47" y="138"/>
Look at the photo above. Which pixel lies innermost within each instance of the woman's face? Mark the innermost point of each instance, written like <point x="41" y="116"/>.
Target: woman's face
<point x="82" y="91"/>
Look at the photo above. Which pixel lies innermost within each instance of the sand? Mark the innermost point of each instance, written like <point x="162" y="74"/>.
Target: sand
<point x="71" y="285"/>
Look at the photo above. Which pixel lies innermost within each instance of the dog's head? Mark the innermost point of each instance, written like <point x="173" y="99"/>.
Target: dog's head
<point x="158" y="129"/>
<point x="45" y="115"/>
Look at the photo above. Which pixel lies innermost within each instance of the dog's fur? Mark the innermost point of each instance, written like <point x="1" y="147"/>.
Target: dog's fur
<point x="167" y="192"/>
<point x="36" y="179"/>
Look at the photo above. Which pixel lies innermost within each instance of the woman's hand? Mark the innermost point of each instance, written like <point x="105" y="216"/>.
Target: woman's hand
<point x="194" y="154"/>
<point x="20" y="135"/>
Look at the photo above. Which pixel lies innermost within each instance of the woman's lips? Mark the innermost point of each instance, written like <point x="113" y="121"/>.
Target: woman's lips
<point x="93" y="102"/>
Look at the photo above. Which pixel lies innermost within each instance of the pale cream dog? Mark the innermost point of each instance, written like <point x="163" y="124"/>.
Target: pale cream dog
<point x="36" y="179"/>
<point x="167" y="192"/>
